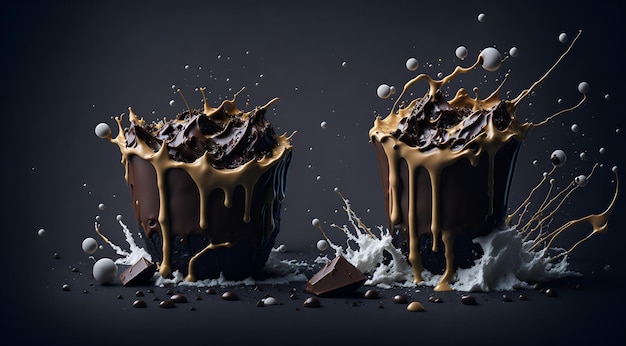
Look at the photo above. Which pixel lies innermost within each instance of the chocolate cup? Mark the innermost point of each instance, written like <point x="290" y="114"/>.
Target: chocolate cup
<point x="252" y="241"/>
<point x="464" y="204"/>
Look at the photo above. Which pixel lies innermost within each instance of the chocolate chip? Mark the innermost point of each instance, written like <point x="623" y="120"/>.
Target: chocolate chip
<point x="138" y="294"/>
<point x="467" y="299"/>
<point x="66" y="287"/>
<point x="312" y="302"/>
<point x="506" y="298"/>
<point x="210" y="291"/>
<point x="400" y="299"/>
<point x="178" y="298"/>
<point x="522" y="297"/>
<point x="371" y="294"/>
<point x="167" y="304"/>
<point x="139" y="303"/>
<point x="550" y="292"/>
<point x="229" y="295"/>
<point x="435" y="299"/>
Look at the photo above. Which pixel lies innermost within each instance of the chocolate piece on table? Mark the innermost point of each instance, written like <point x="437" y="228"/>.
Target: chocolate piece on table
<point x="337" y="277"/>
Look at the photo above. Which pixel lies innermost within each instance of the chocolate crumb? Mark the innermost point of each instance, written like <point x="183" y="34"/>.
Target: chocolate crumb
<point x="178" y="298"/>
<point x="523" y="297"/>
<point x="138" y="294"/>
<point x="435" y="299"/>
<point x="371" y="294"/>
<point x="66" y="287"/>
<point x="506" y="298"/>
<point x="550" y="292"/>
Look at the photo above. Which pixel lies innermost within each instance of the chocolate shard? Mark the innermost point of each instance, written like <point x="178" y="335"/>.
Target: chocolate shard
<point x="336" y="278"/>
<point x="139" y="273"/>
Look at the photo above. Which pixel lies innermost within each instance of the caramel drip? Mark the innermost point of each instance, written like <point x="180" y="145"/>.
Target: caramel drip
<point x="207" y="178"/>
<point x="489" y="141"/>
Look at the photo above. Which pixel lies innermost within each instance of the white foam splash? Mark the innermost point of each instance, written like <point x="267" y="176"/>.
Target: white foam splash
<point x="507" y="263"/>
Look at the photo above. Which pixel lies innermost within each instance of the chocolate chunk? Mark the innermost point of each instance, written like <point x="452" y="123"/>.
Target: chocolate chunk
<point x="139" y="273"/>
<point x="337" y="277"/>
<point x="435" y="299"/>
<point x="506" y="298"/>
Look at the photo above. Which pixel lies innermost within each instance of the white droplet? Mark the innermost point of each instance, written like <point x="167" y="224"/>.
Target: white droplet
<point x="322" y="244"/>
<point x="344" y="64"/>
<point x="607" y="97"/>
<point x="583" y="155"/>
<point x="90" y="245"/>
<point x="323" y="124"/>
<point x="602" y="151"/>
<point x="583" y="87"/>
<point x="535" y="162"/>
<point x="315" y="222"/>
<point x="558" y="158"/>
<point x="172" y="102"/>
<point x="575" y="128"/>
<point x="270" y="301"/>
<point x="186" y="67"/>
<point x="491" y="59"/>
<point x="282" y="248"/>
<point x="105" y="270"/>
<point x="412" y="64"/>
<point x="101" y="206"/>
<point x="41" y="232"/>
<point x="461" y="52"/>
<point x="392" y="89"/>
<point x="103" y="130"/>
<point x="383" y="91"/>
<point x="482" y="17"/>
<point x="563" y="38"/>
<point x="581" y="180"/>
<point x="614" y="169"/>
<point x="514" y="52"/>
<point x="118" y="217"/>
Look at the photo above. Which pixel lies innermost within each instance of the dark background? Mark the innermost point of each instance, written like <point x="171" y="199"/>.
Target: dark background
<point x="66" y="66"/>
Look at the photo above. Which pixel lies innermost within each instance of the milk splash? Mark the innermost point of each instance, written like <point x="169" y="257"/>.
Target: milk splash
<point x="510" y="258"/>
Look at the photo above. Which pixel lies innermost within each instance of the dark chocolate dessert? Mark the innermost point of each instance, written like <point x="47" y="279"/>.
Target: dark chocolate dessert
<point x="207" y="188"/>
<point x="446" y="169"/>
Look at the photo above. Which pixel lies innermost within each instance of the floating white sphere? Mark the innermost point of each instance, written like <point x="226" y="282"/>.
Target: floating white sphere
<point x="101" y="206"/>
<point x="583" y="87"/>
<point x="105" y="270"/>
<point x="323" y="124"/>
<point x="41" y="232"/>
<point x="602" y="151"/>
<point x="461" y="52"/>
<point x="118" y="217"/>
<point x="563" y="38"/>
<point x="344" y="64"/>
<point x="383" y="91"/>
<point x="172" y="102"/>
<point x="482" y="17"/>
<point x="103" y="130"/>
<point x="514" y="52"/>
<point x="583" y="155"/>
<point x="282" y="248"/>
<point x="614" y="169"/>
<point x="581" y="180"/>
<point x="90" y="245"/>
<point x="315" y="222"/>
<point x="412" y="64"/>
<point x="491" y="59"/>
<point x="558" y="158"/>
<point x="322" y="244"/>
<point x="575" y="127"/>
<point x="392" y="89"/>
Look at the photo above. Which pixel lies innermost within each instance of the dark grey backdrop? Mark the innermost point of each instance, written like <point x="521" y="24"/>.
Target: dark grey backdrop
<point x="67" y="66"/>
